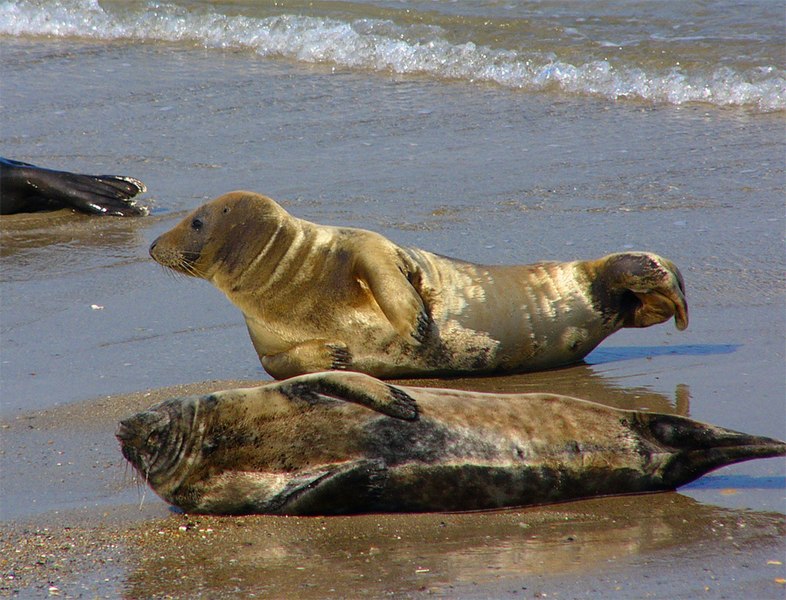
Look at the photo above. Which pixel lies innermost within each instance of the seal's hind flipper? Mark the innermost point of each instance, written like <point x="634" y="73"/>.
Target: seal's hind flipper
<point x="97" y="194"/>
<point x="26" y="187"/>
<point x="353" y="387"/>
<point x="694" y="448"/>
<point x="639" y="289"/>
<point x="346" y="488"/>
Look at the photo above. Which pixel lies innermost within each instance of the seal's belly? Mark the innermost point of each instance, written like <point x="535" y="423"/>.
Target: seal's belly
<point x="339" y="320"/>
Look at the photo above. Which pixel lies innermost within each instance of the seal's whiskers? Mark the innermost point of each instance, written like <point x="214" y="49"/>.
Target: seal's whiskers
<point x="144" y="491"/>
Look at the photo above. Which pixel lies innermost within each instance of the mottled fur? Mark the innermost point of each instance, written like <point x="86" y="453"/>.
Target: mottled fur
<point x="339" y="443"/>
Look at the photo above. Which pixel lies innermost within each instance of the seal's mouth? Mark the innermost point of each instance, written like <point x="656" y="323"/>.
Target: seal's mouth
<point x="130" y="445"/>
<point x="187" y="265"/>
<point x="180" y="261"/>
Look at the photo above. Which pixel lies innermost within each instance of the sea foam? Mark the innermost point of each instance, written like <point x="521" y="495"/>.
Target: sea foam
<point x="384" y="46"/>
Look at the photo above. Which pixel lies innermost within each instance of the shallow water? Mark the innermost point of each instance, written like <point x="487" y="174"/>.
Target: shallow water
<point x="482" y="170"/>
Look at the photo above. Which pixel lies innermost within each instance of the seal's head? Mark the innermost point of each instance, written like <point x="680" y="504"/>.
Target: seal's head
<point x="226" y="233"/>
<point x="160" y="443"/>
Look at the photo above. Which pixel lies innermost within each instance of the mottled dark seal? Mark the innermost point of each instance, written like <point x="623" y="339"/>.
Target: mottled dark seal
<point x="28" y="188"/>
<point x="341" y="443"/>
<point x="318" y="298"/>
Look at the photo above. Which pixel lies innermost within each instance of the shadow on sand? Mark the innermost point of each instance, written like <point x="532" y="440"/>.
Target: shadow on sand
<point x="614" y="354"/>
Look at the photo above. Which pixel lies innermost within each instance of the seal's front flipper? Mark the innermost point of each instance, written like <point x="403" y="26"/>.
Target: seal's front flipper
<point x="353" y="387"/>
<point x="346" y="488"/>
<point x="308" y="357"/>
<point x="644" y="288"/>
<point x="392" y="287"/>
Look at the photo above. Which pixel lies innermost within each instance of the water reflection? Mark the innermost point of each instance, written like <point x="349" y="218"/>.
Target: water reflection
<point x="25" y="231"/>
<point x="737" y="482"/>
<point x="580" y="381"/>
<point x="397" y="554"/>
<point x="52" y="244"/>
<point x="583" y="381"/>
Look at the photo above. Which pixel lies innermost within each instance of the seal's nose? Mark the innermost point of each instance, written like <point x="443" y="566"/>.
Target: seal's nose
<point x="124" y="431"/>
<point x="153" y="247"/>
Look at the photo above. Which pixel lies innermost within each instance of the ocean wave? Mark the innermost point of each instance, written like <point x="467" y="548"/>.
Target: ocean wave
<point x="384" y="46"/>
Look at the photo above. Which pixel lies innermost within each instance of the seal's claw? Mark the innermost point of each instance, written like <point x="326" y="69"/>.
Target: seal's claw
<point x="402" y="405"/>
<point x="311" y="356"/>
<point x="421" y="327"/>
<point x="341" y="357"/>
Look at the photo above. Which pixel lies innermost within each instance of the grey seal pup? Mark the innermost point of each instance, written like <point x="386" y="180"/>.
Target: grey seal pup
<point x="317" y="298"/>
<point x="344" y="443"/>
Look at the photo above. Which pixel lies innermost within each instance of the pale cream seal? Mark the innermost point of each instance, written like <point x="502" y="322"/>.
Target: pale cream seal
<point x="316" y="297"/>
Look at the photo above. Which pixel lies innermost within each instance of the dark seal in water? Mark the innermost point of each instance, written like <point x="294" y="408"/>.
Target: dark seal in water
<point x="317" y="298"/>
<point x="27" y="188"/>
<point x="342" y="443"/>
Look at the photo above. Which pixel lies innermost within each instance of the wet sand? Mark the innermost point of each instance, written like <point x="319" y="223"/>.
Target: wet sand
<point x="659" y="546"/>
<point x="93" y="331"/>
<point x="79" y="523"/>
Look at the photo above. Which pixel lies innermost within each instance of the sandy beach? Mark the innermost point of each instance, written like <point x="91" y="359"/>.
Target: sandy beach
<point x="92" y="330"/>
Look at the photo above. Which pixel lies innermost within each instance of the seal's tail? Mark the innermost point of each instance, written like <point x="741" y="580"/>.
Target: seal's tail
<point x="694" y="449"/>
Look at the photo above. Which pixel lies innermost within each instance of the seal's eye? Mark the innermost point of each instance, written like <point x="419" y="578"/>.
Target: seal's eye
<point x="196" y="224"/>
<point x="226" y="209"/>
<point x="153" y="440"/>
